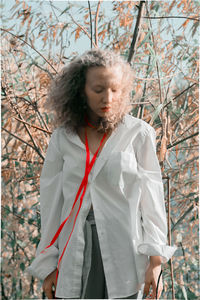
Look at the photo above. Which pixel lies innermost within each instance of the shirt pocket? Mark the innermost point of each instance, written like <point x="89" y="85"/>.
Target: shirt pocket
<point x="121" y="168"/>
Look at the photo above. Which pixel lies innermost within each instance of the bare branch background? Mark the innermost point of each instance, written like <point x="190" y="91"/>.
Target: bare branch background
<point x="159" y="40"/>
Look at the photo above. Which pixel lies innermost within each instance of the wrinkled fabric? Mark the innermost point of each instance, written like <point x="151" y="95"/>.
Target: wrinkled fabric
<point x="93" y="283"/>
<point x="93" y="278"/>
<point x="126" y="190"/>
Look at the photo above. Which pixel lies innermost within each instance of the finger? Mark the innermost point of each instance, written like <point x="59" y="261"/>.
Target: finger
<point x="160" y="292"/>
<point x="54" y="284"/>
<point x="54" y="288"/>
<point x="153" y="289"/>
<point x="160" y="288"/>
<point x="48" y="292"/>
<point x="146" y="289"/>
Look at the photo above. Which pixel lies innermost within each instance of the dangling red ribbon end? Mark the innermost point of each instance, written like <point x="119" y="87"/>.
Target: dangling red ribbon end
<point x="82" y="187"/>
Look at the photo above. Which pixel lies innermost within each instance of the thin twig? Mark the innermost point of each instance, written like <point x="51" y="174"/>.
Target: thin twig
<point x="178" y="142"/>
<point x="189" y="87"/>
<point x="37" y="149"/>
<point x="28" y="178"/>
<point x="34" y="126"/>
<point x="96" y="23"/>
<point x="169" y="234"/>
<point x="141" y="103"/>
<point x="84" y="30"/>
<point x="29" y="46"/>
<point x="6" y="156"/>
<point x="18" y="138"/>
<point x="17" y="216"/>
<point x="182" y="217"/>
<point x="90" y="13"/>
<point x="172" y="17"/>
<point x="187" y="128"/>
<point x="43" y="69"/>
<point x="30" y="103"/>
<point x="152" y="36"/>
<point x="141" y="108"/>
<point x="61" y="36"/>
<point x="151" y="78"/>
<point x="22" y="248"/>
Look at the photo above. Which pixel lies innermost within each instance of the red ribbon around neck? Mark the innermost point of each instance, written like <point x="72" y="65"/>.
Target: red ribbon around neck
<point x="82" y="187"/>
<point x="89" y="124"/>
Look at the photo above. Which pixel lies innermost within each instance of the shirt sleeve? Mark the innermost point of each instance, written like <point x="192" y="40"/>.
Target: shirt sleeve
<point x="152" y="205"/>
<point x="51" y="203"/>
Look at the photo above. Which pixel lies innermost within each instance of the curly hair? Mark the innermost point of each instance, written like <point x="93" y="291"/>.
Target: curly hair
<point x="66" y="93"/>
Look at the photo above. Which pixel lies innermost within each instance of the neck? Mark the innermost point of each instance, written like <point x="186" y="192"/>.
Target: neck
<point x="92" y="121"/>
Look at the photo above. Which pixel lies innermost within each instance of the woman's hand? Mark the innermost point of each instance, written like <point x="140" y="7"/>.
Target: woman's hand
<point x="151" y="278"/>
<point x="48" y="284"/>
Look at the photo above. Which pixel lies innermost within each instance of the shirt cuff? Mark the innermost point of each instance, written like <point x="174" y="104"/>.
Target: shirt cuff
<point x="44" y="263"/>
<point x="151" y="249"/>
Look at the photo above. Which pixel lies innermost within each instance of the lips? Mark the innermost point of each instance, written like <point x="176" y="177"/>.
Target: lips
<point x="105" y="108"/>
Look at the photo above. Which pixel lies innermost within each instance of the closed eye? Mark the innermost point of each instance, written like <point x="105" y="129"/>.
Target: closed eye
<point x="98" y="91"/>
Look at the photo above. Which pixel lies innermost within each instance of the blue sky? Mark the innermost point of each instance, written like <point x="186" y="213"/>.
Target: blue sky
<point x="82" y="43"/>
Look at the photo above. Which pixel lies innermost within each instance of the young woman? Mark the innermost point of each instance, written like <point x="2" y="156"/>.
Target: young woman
<point x="103" y="219"/>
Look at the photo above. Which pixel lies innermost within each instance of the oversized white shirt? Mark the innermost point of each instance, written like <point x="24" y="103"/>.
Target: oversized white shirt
<point x="126" y="190"/>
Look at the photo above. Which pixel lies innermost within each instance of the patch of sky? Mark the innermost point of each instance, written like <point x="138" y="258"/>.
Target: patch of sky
<point x="60" y="14"/>
<point x="169" y="28"/>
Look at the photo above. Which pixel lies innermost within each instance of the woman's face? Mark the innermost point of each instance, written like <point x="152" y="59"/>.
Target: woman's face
<point x="103" y="90"/>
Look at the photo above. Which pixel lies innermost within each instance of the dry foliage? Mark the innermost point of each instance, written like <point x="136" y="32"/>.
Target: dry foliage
<point x="165" y="94"/>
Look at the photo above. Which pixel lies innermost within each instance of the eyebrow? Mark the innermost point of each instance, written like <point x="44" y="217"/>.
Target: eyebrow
<point x="102" y="85"/>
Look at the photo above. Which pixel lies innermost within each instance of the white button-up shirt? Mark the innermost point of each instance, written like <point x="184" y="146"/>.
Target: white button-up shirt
<point x="126" y="190"/>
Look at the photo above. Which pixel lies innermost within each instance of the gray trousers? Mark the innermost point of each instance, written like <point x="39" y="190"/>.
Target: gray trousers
<point x="93" y="278"/>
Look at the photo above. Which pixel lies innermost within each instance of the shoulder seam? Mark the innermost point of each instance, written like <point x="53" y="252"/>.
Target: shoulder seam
<point x="55" y="140"/>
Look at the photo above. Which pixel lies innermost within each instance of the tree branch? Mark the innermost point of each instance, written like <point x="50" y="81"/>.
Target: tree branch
<point x="84" y="30"/>
<point x="34" y="126"/>
<point x="172" y="17"/>
<point x="189" y="87"/>
<point x="157" y="68"/>
<point x="182" y="217"/>
<point x="178" y="142"/>
<point x="29" y="46"/>
<point x="136" y="32"/>
<point x="141" y="108"/>
<point x="187" y="128"/>
<point x="96" y="23"/>
<point x="18" y="138"/>
<point x="37" y="149"/>
<point x="45" y="70"/>
<point x="18" y="245"/>
<point x="90" y="24"/>
<point x="5" y="156"/>
<point x="141" y="103"/>
<point x="18" y="216"/>
<point x="151" y="78"/>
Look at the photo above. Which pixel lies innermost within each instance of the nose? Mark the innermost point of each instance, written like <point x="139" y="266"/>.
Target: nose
<point x="108" y="96"/>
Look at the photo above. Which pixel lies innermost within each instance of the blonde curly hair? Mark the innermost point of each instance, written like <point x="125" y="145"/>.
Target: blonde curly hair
<point x="66" y="98"/>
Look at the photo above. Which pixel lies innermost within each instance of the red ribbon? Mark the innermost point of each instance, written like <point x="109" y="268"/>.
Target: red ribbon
<point x="82" y="187"/>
